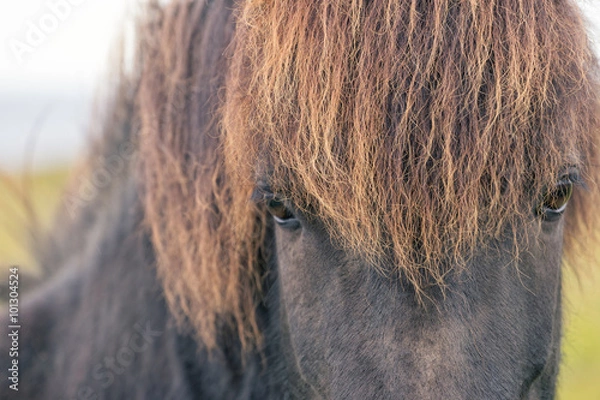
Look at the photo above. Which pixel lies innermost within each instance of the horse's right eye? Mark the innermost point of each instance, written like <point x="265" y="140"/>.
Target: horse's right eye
<point x="555" y="202"/>
<point x="280" y="212"/>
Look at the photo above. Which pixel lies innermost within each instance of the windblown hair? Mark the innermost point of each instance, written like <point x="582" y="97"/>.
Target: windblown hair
<point x="416" y="131"/>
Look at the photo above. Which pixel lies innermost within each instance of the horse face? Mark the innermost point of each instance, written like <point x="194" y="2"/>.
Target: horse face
<point x="351" y="332"/>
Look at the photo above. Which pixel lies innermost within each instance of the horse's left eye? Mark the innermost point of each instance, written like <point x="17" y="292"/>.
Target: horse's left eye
<point x="555" y="202"/>
<point x="279" y="211"/>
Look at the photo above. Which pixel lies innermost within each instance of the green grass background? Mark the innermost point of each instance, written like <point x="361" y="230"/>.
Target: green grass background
<point x="580" y="372"/>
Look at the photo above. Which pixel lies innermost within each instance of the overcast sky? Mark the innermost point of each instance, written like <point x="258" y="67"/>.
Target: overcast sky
<point x="54" y="57"/>
<point x="72" y="48"/>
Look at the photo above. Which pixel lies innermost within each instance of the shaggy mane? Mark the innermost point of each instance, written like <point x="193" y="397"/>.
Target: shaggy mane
<point x="416" y="131"/>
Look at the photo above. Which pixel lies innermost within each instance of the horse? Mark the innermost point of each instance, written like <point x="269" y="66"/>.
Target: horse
<point x="324" y="199"/>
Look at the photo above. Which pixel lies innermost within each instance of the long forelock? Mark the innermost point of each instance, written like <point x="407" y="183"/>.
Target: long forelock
<point x="420" y="128"/>
<point x="414" y="130"/>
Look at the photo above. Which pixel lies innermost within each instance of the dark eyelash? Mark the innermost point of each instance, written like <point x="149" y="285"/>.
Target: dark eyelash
<point x="262" y="193"/>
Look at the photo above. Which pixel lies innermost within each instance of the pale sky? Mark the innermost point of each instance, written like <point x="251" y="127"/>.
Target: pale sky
<point x="75" y="48"/>
<point x="47" y="89"/>
<point x="53" y="80"/>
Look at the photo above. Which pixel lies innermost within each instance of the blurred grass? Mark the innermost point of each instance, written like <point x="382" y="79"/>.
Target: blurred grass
<point x="580" y="370"/>
<point x="43" y="191"/>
